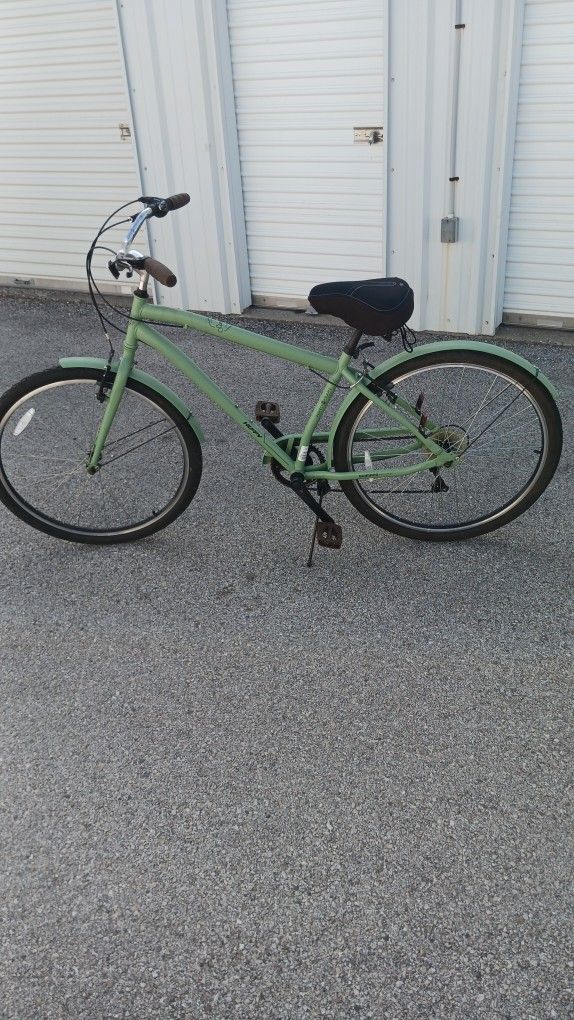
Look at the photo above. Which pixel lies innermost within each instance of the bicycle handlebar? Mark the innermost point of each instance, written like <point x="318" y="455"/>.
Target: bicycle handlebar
<point x="153" y="206"/>
<point x="161" y="206"/>
<point x="159" y="272"/>
<point x="177" y="201"/>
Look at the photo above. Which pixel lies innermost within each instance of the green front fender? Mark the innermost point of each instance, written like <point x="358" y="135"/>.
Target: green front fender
<point x="404" y="358"/>
<point x="147" y="380"/>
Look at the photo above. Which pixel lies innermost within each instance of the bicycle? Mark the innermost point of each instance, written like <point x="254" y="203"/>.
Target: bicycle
<point x="443" y="442"/>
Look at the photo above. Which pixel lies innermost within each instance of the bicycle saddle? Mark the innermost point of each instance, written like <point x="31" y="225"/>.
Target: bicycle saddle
<point x="376" y="307"/>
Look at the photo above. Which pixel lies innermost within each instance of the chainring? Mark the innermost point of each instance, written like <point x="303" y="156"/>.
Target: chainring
<point x="279" y="472"/>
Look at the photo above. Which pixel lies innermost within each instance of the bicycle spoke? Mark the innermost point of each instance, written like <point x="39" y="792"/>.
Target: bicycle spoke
<point x="66" y="478"/>
<point x="482" y="412"/>
<point x="485" y="403"/>
<point x="132" y="448"/>
<point x="49" y="457"/>
<point x="454" y="477"/>
<point x="458" y="388"/>
<point x="102" y="490"/>
<point x="136" y="432"/>
<point x="87" y="480"/>
<point x="494" y="420"/>
<point x="132" y="489"/>
<point x="501" y="435"/>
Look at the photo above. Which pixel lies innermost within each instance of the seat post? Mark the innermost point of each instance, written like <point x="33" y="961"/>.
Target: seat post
<point x="352" y="344"/>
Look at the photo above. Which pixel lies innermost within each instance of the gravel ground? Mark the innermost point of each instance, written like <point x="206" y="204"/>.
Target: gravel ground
<point x="234" y="787"/>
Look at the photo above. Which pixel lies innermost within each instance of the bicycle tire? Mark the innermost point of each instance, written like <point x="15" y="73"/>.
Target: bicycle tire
<point x="549" y="456"/>
<point x="23" y="508"/>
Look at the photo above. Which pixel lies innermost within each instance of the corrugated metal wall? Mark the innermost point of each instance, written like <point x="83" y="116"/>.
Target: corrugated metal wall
<point x="540" y="257"/>
<point x="179" y="73"/>
<point x="455" y="283"/>
<point x="63" y="165"/>
<point x="305" y="74"/>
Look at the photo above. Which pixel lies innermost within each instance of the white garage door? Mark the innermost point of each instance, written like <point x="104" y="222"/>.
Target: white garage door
<point x="63" y="163"/>
<point x="306" y="73"/>
<point x="540" y="262"/>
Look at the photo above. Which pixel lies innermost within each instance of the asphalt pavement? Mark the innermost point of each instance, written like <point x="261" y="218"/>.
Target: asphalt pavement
<point x="234" y="787"/>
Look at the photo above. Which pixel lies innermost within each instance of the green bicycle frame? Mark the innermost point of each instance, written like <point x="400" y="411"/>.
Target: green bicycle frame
<point x="404" y="417"/>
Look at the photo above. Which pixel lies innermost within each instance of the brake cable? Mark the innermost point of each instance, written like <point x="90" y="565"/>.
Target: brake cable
<point x="93" y="286"/>
<point x="92" y="283"/>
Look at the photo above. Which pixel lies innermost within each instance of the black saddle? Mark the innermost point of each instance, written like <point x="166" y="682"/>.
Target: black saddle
<point x="376" y="307"/>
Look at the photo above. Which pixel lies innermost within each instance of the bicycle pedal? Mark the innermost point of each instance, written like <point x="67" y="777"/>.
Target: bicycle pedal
<point x="329" y="535"/>
<point x="267" y="409"/>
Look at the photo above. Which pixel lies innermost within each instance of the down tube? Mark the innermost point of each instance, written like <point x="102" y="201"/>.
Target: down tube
<point x="212" y="391"/>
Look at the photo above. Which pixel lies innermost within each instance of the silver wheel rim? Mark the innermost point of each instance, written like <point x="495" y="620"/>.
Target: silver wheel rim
<point x="59" y="468"/>
<point x="476" y="419"/>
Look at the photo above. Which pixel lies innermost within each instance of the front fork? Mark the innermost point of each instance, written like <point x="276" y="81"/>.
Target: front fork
<point x="113" y="399"/>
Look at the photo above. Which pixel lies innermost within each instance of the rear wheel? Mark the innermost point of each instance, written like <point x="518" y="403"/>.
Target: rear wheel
<point x="149" y="471"/>
<point x="500" y="421"/>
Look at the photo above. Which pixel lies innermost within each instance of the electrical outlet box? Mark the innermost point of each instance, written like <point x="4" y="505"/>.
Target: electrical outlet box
<point x="449" y="229"/>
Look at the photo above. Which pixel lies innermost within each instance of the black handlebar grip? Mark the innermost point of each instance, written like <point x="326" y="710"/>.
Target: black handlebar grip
<point x="177" y="201"/>
<point x="159" y="272"/>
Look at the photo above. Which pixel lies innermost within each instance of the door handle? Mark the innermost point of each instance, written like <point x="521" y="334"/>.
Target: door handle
<point x="372" y="135"/>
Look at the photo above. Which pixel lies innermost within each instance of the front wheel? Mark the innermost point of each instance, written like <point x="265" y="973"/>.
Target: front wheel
<point x="149" y="470"/>
<point x="502" y="424"/>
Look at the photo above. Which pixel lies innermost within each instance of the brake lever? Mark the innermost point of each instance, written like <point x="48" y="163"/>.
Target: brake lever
<point x="156" y="204"/>
<point x="125" y="261"/>
<point x="116" y="269"/>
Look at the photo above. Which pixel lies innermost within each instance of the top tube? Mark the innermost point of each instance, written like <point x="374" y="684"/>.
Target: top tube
<point x="238" y="335"/>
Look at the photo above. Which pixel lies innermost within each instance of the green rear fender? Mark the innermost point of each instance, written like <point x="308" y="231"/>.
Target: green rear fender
<point x="147" y="380"/>
<point x="404" y="358"/>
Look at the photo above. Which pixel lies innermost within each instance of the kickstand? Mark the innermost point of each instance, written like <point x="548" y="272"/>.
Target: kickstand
<point x="322" y="490"/>
<point x="313" y="542"/>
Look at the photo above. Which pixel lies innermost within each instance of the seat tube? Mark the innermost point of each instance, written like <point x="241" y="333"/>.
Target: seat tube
<point x="319" y="410"/>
